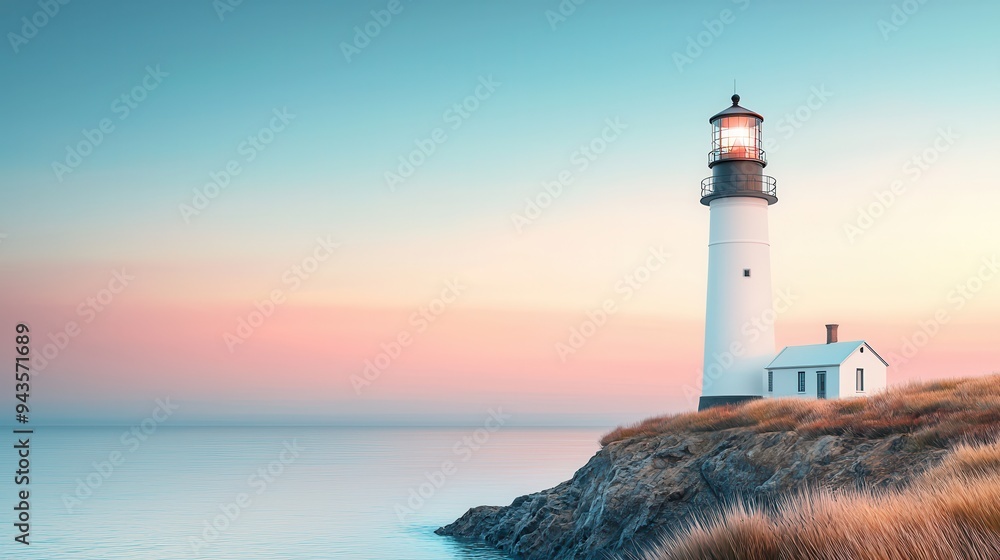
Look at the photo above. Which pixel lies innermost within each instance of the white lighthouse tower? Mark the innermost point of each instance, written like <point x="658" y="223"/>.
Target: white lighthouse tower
<point x="737" y="347"/>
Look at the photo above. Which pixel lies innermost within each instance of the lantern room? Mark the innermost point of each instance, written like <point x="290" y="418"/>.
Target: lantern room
<point x="737" y="158"/>
<point x="736" y="134"/>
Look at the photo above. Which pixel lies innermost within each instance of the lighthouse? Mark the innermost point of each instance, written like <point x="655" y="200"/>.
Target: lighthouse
<point x="738" y="343"/>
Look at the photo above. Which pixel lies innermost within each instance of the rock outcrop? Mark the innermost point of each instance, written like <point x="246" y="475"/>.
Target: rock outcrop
<point x="635" y="491"/>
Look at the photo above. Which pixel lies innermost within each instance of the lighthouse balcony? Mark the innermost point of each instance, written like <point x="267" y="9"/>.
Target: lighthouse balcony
<point x="737" y="152"/>
<point x="760" y="186"/>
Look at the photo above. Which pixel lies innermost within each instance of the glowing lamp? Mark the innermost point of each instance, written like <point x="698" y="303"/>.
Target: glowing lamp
<point x="736" y="134"/>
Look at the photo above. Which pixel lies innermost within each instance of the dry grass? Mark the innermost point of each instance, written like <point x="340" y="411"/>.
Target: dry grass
<point x="936" y="414"/>
<point x="952" y="511"/>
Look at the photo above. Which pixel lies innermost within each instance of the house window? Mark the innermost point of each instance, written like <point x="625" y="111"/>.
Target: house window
<point x="746" y="273"/>
<point x="859" y="380"/>
<point x="802" y="382"/>
<point x="770" y="381"/>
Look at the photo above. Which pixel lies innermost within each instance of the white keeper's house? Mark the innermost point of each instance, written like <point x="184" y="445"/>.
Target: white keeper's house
<point x="738" y="367"/>
<point x="826" y="371"/>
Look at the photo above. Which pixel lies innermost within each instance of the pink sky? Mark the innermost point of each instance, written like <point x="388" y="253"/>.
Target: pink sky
<point x="306" y="361"/>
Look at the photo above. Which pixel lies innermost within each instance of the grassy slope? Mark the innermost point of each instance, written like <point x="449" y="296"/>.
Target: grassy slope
<point x="936" y="414"/>
<point x="952" y="511"/>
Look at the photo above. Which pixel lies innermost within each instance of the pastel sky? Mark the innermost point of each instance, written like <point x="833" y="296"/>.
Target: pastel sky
<point x="863" y="235"/>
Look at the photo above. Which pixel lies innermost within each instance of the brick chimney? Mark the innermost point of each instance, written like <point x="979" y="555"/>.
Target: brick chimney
<point x="831" y="333"/>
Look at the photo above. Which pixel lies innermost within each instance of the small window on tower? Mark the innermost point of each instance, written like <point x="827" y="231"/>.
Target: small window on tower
<point x="746" y="273"/>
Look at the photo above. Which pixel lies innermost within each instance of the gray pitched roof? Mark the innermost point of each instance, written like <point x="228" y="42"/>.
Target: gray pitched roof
<point x="817" y="355"/>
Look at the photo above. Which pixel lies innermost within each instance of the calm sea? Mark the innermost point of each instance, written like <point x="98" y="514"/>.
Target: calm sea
<point x="269" y="493"/>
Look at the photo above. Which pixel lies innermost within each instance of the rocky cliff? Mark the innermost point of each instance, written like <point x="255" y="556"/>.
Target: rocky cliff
<point x="637" y="490"/>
